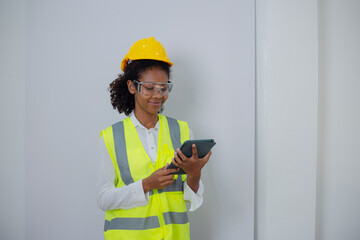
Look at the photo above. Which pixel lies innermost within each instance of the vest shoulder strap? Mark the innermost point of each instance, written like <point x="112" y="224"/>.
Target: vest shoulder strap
<point x="121" y="152"/>
<point x="174" y="128"/>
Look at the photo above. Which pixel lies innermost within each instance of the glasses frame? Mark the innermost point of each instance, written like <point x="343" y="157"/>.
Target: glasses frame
<point x="138" y="85"/>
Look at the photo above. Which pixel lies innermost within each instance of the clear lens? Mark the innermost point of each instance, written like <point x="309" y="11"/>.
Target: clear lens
<point x="150" y="89"/>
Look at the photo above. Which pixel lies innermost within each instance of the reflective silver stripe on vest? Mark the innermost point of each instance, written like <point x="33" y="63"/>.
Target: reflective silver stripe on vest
<point x="174" y="132"/>
<point x="176" y="186"/>
<point x="121" y="154"/>
<point x="175" y="217"/>
<point x="132" y="223"/>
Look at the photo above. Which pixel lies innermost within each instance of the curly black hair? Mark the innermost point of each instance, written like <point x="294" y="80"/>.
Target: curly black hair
<point x="121" y="98"/>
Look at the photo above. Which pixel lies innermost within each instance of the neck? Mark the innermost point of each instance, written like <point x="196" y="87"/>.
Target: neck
<point x="146" y="119"/>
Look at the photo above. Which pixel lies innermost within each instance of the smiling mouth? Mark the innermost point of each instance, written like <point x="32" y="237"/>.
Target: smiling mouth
<point x="155" y="103"/>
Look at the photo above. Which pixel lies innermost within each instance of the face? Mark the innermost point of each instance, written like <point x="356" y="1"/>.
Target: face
<point x="149" y="105"/>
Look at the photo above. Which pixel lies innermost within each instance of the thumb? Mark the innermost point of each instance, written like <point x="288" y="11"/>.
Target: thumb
<point x="166" y="165"/>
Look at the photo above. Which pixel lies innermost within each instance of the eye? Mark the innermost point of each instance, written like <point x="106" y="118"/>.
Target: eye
<point x="164" y="89"/>
<point x="148" y="88"/>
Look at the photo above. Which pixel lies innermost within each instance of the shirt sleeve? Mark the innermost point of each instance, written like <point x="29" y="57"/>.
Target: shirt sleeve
<point x="108" y="196"/>
<point x="195" y="199"/>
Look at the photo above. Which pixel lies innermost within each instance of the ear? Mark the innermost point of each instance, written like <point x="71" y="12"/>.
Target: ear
<point x="131" y="87"/>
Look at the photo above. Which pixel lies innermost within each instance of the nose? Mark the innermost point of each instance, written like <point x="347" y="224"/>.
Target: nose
<point x="158" y="93"/>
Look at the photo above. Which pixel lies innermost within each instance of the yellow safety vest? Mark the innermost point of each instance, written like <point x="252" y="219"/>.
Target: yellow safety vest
<point x="165" y="216"/>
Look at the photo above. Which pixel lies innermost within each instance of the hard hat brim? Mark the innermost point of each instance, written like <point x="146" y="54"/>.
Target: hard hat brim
<point x="125" y="62"/>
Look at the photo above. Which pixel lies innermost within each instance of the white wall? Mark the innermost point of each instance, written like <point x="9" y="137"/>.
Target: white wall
<point x="286" y="125"/>
<point x="78" y="50"/>
<point x="12" y="112"/>
<point x="73" y="51"/>
<point x="307" y="181"/>
<point x="338" y="209"/>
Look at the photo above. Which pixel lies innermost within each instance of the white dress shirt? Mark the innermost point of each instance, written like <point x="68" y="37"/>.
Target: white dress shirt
<point x="130" y="196"/>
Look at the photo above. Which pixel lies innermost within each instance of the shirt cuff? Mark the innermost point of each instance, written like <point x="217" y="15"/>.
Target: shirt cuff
<point x="196" y="199"/>
<point x="139" y="197"/>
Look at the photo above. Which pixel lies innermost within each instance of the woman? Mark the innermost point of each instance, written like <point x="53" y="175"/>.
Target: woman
<point x="142" y="198"/>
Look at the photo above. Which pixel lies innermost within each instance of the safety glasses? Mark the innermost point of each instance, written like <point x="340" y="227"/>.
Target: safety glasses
<point x="149" y="89"/>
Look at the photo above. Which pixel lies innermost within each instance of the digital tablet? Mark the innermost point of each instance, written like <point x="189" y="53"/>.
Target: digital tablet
<point x="203" y="147"/>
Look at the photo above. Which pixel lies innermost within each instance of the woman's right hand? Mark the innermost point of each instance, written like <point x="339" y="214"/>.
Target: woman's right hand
<point x="159" y="179"/>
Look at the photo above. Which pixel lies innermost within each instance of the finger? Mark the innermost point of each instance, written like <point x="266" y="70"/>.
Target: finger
<point x="164" y="171"/>
<point x="177" y="158"/>
<point x="168" y="177"/>
<point x="206" y="158"/>
<point x="166" y="165"/>
<point x="180" y="155"/>
<point x="194" y="151"/>
<point x="166" y="183"/>
<point x="170" y="171"/>
<point x="175" y="163"/>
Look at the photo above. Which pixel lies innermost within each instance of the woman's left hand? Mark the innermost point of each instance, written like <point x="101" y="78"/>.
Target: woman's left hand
<point x="193" y="165"/>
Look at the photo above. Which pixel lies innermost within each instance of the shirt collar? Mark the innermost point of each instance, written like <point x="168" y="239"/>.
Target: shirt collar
<point x="137" y="123"/>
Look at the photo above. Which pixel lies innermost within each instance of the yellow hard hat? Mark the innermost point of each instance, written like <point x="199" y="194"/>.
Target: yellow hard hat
<point x="146" y="48"/>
